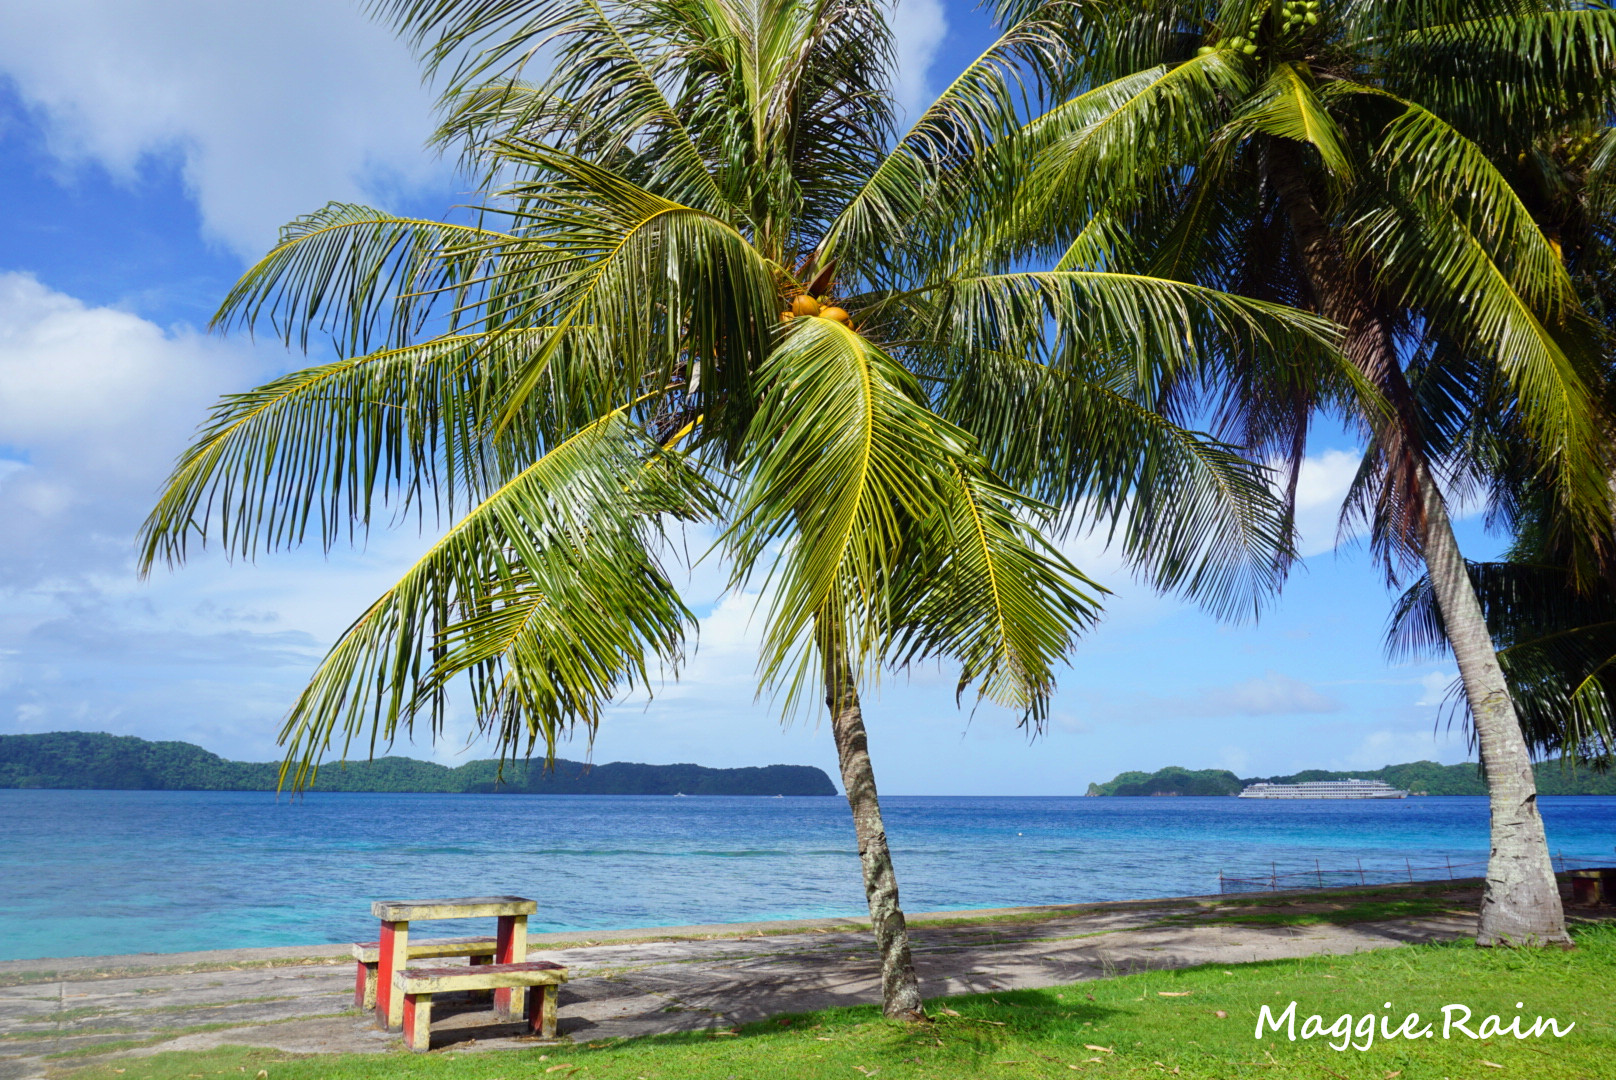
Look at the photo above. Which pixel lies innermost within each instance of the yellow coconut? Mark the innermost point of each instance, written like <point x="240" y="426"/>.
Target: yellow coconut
<point x="837" y="314"/>
<point x="805" y="305"/>
<point x="786" y="316"/>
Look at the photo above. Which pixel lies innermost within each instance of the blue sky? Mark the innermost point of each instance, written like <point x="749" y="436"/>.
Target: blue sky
<point x="150" y="148"/>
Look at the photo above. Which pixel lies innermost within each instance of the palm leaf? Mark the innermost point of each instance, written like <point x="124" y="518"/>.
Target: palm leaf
<point x="561" y="548"/>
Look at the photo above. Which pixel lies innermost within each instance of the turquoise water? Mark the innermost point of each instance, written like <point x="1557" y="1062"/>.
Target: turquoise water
<point x="99" y="872"/>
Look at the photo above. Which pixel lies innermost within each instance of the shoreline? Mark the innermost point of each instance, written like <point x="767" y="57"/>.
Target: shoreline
<point x="694" y="980"/>
<point x="80" y="968"/>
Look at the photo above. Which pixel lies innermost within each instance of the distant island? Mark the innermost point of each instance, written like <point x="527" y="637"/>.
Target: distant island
<point x="1416" y="777"/>
<point x="80" y="759"/>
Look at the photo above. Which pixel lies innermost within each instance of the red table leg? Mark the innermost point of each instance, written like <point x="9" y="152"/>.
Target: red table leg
<point x="395" y="944"/>
<point x="511" y="941"/>
<point x="541" y="1011"/>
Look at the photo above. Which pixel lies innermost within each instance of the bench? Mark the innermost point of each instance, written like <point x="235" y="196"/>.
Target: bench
<point x="368" y="955"/>
<point x="417" y="985"/>
<point x="396" y="916"/>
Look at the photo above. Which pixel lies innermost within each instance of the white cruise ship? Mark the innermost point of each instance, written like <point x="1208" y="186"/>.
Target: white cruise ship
<point x="1325" y="789"/>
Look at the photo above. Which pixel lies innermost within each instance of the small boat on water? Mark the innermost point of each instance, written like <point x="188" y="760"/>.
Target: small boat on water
<point x="1325" y="789"/>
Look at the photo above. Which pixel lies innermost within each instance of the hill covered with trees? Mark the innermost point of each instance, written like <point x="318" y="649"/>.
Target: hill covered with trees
<point x="79" y="759"/>
<point x="1416" y="777"/>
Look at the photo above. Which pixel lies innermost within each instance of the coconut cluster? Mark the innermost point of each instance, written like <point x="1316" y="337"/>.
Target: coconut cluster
<point x="1300" y="13"/>
<point x="807" y="307"/>
<point x="1297" y="14"/>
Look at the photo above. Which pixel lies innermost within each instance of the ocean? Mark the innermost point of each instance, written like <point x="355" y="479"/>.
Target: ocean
<point x="104" y="872"/>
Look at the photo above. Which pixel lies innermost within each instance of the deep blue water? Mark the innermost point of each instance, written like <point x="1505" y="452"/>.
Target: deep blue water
<point x="99" y="872"/>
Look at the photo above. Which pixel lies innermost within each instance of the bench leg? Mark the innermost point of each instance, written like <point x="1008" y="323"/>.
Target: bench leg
<point x="509" y="1002"/>
<point x="364" y="991"/>
<point x="481" y="997"/>
<point x="395" y="956"/>
<point x="541" y="1011"/>
<point x="418" y="1022"/>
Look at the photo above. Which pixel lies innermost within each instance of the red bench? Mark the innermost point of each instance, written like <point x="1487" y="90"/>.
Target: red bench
<point x="368" y="954"/>
<point x="417" y="985"/>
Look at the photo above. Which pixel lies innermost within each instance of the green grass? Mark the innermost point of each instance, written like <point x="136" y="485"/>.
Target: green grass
<point x="1171" y="1018"/>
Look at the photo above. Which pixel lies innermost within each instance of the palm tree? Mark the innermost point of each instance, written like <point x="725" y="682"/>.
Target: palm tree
<point x="1361" y="159"/>
<point x="1551" y="613"/>
<point x="698" y="285"/>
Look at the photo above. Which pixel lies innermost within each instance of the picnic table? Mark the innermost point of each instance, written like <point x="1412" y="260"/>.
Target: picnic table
<point x="510" y="946"/>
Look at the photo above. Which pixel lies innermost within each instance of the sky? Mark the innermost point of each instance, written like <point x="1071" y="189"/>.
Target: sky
<point x="149" y="150"/>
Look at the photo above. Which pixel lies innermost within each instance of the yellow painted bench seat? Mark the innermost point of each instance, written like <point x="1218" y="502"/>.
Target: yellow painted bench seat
<point x="417" y="985"/>
<point x="368" y="955"/>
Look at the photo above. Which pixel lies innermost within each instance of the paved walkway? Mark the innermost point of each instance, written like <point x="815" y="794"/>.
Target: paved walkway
<point x="632" y="983"/>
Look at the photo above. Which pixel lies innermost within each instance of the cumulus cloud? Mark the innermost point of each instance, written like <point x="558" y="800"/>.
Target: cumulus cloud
<point x="272" y="108"/>
<point x="94" y="405"/>
<point x="1320" y="489"/>
<point x="919" y="27"/>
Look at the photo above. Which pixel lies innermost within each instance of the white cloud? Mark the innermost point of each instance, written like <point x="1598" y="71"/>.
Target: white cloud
<point x="1435" y="686"/>
<point x="918" y="27"/>
<point x="1320" y="489"/>
<point x="273" y="109"/>
<point x="94" y="405"/>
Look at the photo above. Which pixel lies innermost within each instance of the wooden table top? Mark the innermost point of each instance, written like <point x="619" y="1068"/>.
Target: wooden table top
<point x="465" y="907"/>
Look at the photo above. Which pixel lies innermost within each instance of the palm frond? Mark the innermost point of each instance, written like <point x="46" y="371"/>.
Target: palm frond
<point x="980" y="109"/>
<point x="892" y="541"/>
<point x="367" y="278"/>
<point x="1287" y="108"/>
<point x="323" y="449"/>
<point x="546" y="593"/>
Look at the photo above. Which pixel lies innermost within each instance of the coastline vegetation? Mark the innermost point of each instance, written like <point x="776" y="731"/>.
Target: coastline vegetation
<point x="1196" y="1024"/>
<point x="90" y="760"/>
<point x="1554" y="777"/>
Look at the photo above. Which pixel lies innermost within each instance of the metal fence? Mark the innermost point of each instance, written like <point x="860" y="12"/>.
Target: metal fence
<point x="1320" y="878"/>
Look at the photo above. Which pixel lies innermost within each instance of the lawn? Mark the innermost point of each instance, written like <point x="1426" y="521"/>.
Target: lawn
<point x="1197" y="1022"/>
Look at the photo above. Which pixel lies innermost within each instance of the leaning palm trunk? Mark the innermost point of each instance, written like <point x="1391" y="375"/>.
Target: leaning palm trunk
<point x="1521" y="903"/>
<point x="900" y="991"/>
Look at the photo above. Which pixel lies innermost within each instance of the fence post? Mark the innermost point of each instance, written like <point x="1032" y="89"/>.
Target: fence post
<point x="1450" y="867"/>
<point x="1317" y="869"/>
<point x="1361" y="879"/>
<point x="1410" y="868"/>
<point x="1273" y="877"/>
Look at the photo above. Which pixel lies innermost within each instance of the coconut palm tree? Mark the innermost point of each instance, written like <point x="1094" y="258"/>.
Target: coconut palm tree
<point x="698" y="285"/>
<point x="1552" y="616"/>
<point x="1363" y="159"/>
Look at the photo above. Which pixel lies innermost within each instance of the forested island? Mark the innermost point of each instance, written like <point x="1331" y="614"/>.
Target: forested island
<point x="79" y="759"/>
<point x="1415" y="777"/>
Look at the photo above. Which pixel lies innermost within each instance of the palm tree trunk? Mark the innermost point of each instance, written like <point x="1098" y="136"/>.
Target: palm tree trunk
<point x="1521" y="902"/>
<point x="900" y="990"/>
